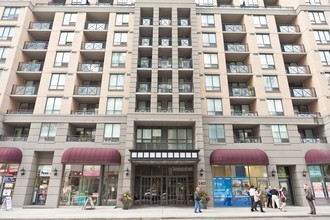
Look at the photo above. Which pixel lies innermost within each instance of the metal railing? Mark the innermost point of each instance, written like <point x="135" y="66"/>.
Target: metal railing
<point x="80" y="138"/>
<point x="41" y="25"/>
<point x="244" y="113"/>
<point x="183" y="21"/>
<point x="145" y="41"/>
<point x="145" y="63"/>
<point x="146" y="21"/>
<point x="238" y="68"/>
<point x="24" y="90"/>
<point x="308" y="114"/>
<point x="165" y="41"/>
<point x="36" y="45"/>
<point x="87" y="90"/>
<point x="143" y="87"/>
<point x="30" y="67"/>
<point x="186" y="87"/>
<point x="20" y="111"/>
<point x="184" y="42"/>
<point x="303" y="69"/>
<point x="13" y="138"/>
<point x="234" y="27"/>
<point x="97" y="45"/>
<point x="229" y="47"/>
<point x="151" y="144"/>
<point x="164" y="63"/>
<point x="186" y="110"/>
<point x="164" y="87"/>
<point x="165" y="21"/>
<point x="288" y="28"/>
<point x="245" y="92"/>
<point x="96" y="26"/>
<point x="247" y="139"/>
<point x="168" y="109"/>
<point x="142" y="110"/>
<point x="302" y="92"/>
<point x="90" y="67"/>
<point x="84" y="112"/>
<point x="314" y="140"/>
<point x="185" y="63"/>
<point x="293" y="48"/>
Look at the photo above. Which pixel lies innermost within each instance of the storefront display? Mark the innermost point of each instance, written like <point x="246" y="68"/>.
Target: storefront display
<point x="8" y="174"/>
<point x="41" y="185"/>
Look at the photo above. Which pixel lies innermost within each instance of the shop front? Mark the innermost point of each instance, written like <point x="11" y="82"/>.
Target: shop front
<point x="234" y="171"/>
<point x="318" y="162"/>
<point x="90" y="172"/>
<point x="10" y="159"/>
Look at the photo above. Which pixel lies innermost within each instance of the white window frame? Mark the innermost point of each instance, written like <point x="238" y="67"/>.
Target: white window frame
<point x="57" y="81"/>
<point x="122" y="19"/>
<point x="118" y="59"/>
<point x="112" y="132"/>
<point x="260" y="21"/>
<point x="249" y="3"/>
<point x="216" y="133"/>
<point x="4" y="53"/>
<point x="48" y="132"/>
<point x="214" y="106"/>
<point x="317" y="17"/>
<point x="11" y="13"/>
<point x="62" y="59"/>
<point x="6" y="32"/>
<point x="116" y="81"/>
<point x="322" y="36"/>
<point x="69" y="19"/>
<point x="275" y="107"/>
<point x="212" y="83"/>
<point x="209" y="39"/>
<point x="325" y="57"/>
<point x="267" y="61"/>
<point x="53" y="105"/>
<point x="114" y="106"/>
<point x="263" y="40"/>
<point x="211" y="60"/>
<point x="207" y="20"/>
<point x="66" y="38"/>
<point x="271" y="83"/>
<point x="313" y="2"/>
<point x="120" y="38"/>
<point x="327" y="76"/>
<point x="280" y="134"/>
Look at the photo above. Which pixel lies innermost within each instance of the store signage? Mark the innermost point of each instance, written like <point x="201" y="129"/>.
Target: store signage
<point x="92" y="170"/>
<point x="318" y="189"/>
<point x="44" y="172"/>
<point x="9" y="179"/>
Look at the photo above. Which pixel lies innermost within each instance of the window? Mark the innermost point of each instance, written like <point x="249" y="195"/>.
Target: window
<point x="79" y="2"/>
<point x="11" y="13"/>
<point x="57" y="81"/>
<point x="205" y="2"/>
<point x="1" y="71"/>
<point x="260" y="21"/>
<point x="124" y="2"/>
<point x="325" y="57"/>
<point x="217" y="133"/>
<point x="313" y="2"/>
<point x="327" y="76"/>
<point x="267" y="61"/>
<point x="6" y="33"/>
<point x="48" y="132"/>
<point x="111" y="132"/>
<point x="66" y="38"/>
<point x="322" y="36"/>
<point x="70" y="19"/>
<point x="248" y="3"/>
<point x="275" y="107"/>
<point x="316" y="17"/>
<point x="53" y="105"/>
<point x="271" y="83"/>
<point x="214" y="107"/>
<point x="118" y="59"/>
<point x="280" y="134"/>
<point x="263" y="40"/>
<point x="3" y="53"/>
<point x="319" y="175"/>
<point x="207" y="20"/>
<point x="212" y="83"/>
<point x="209" y="40"/>
<point x="122" y="19"/>
<point x="114" y="106"/>
<point x="210" y="60"/>
<point x="120" y="38"/>
<point x="62" y="59"/>
<point x="116" y="82"/>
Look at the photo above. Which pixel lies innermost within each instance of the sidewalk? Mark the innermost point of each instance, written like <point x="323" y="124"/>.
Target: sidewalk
<point x="111" y="213"/>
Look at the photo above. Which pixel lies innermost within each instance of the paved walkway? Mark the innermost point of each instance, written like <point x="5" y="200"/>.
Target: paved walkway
<point x="146" y="213"/>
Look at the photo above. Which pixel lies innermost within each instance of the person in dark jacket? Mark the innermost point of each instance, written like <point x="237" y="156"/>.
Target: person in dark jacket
<point x="269" y="197"/>
<point x="197" y="199"/>
<point x="310" y="199"/>
<point x="275" y="200"/>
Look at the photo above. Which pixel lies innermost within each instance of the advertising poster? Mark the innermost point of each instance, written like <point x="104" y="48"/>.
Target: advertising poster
<point x="328" y="187"/>
<point x="222" y="192"/>
<point x="314" y="171"/>
<point x="91" y="170"/>
<point x="318" y="189"/>
<point x="240" y="188"/>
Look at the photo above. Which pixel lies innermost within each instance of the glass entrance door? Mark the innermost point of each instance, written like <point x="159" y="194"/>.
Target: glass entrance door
<point x="284" y="180"/>
<point x="40" y="193"/>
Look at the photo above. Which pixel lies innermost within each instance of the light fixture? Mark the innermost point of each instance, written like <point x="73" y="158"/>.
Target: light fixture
<point x="201" y="172"/>
<point x="55" y="172"/>
<point x="22" y="171"/>
<point x="126" y="171"/>
<point x="304" y="173"/>
<point x="273" y="173"/>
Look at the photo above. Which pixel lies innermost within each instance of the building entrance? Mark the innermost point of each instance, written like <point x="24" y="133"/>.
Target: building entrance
<point x="164" y="185"/>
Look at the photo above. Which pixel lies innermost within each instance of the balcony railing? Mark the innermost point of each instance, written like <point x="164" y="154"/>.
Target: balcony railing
<point x="169" y="144"/>
<point x="186" y="110"/>
<point x="24" y="90"/>
<point x="302" y="92"/>
<point x="87" y="90"/>
<point x="236" y="113"/>
<point x="165" y="42"/>
<point x="304" y="69"/>
<point x="247" y="139"/>
<point x="145" y="63"/>
<point x="90" y="67"/>
<point x="164" y="87"/>
<point x="99" y="45"/>
<point x="142" y="110"/>
<point x="20" y="111"/>
<point x="234" y="28"/>
<point x="236" y="47"/>
<point x="96" y="26"/>
<point x="145" y="41"/>
<point x="168" y="109"/>
<point x="30" y="67"/>
<point x="181" y="155"/>
<point x="13" y="138"/>
<point x="314" y="140"/>
<point x="40" y="25"/>
<point x="238" y="68"/>
<point x="184" y="22"/>
<point x="36" y="45"/>
<point x="84" y="112"/>
<point x="185" y="63"/>
<point x="80" y="138"/>
<point x="293" y="48"/>
<point x="165" y="22"/>
<point x="288" y="28"/>
<point x="146" y="21"/>
<point x="245" y="92"/>
<point x="186" y="88"/>
<point x="164" y="64"/>
<point x="143" y="87"/>
<point x="184" y="42"/>
<point x="308" y="114"/>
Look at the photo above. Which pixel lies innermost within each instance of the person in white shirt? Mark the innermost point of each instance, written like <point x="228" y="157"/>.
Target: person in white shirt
<point x="251" y="192"/>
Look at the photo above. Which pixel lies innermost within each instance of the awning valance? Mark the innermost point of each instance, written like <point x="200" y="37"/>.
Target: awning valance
<point x="10" y="155"/>
<point x="317" y="156"/>
<point x="91" y="156"/>
<point x="239" y="157"/>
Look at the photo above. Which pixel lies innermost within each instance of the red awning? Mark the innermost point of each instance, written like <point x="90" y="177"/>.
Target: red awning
<point x="238" y="157"/>
<point x="91" y="156"/>
<point x="10" y="155"/>
<point x="317" y="156"/>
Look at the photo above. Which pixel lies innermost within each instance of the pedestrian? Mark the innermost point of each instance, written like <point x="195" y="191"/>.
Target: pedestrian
<point x="310" y="199"/>
<point x="275" y="201"/>
<point x="197" y="199"/>
<point x="257" y="194"/>
<point x="269" y="197"/>
<point x="251" y="192"/>
<point x="282" y="198"/>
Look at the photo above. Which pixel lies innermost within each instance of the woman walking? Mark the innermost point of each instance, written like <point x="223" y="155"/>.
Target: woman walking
<point x="282" y="197"/>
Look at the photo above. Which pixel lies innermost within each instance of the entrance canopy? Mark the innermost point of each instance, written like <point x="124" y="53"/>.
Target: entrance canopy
<point x="10" y="155"/>
<point x="91" y="156"/>
<point x="239" y="157"/>
<point x="317" y="156"/>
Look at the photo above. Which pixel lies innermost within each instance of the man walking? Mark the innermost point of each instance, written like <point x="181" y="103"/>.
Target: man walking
<point x="275" y="200"/>
<point x="251" y="192"/>
<point x="310" y="199"/>
<point x="269" y="197"/>
<point x="197" y="199"/>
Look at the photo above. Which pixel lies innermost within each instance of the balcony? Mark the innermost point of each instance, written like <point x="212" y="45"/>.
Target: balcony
<point x="145" y="41"/>
<point x="165" y="88"/>
<point x="145" y="62"/>
<point x="303" y="69"/>
<point x="20" y="111"/>
<point x="32" y="69"/>
<point x="142" y="110"/>
<point x="244" y="113"/>
<point x="186" y="88"/>
<point x="302" y="92"/>
<point x="97" y="45"/>
<point x="165" y="155"/>
<point x="96" y="26"/>
<point x="87" y="90"/>
<point x="293" y="48"/>
<point x="231" y="68"/>
<point x="164" y="63"/>
<point x="184" y="42"/>
<point x="40" y="30"/>
<point x="143" y="87"/>
<point x="242" y="92"/>
<point x="308" y="114"/>
<point x="146" y="21"/>
<point x="247" y="139"/>
<point x="13" y="138"/>
<point x="165" y="22"/>
<point x="165" y="42"/>
<point x="183" y="22"/>
<point x="80" y="138"/>
<point x="24" y="90"/>
<point x="85" y="112"/>
<point x="165" y="110"/>
<point x="314" y="140"/>
<point x="234" y="28"/>
<point x="185" y="63"/>
<point x="96" y="31"/>
<point x="236" y="51"/>
<point x="35" y="45"/>
<point x="90" y="67"/>
<point x="288" y="33"/>
<point x="186" y="110"/>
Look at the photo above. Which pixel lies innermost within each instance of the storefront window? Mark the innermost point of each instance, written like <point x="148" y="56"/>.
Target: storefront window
<point x="40" y="189"/>
<point x="320" y="177"/>
<point x="8" y="174"/>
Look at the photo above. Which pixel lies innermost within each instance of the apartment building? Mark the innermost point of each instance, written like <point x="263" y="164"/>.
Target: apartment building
<point x="101" y="97"/>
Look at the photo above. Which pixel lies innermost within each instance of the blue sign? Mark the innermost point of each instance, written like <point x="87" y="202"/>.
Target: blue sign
<point x="9" y="179"/>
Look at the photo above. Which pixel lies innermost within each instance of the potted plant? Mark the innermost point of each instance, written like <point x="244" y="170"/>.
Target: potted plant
<point x="204" y="199"/>
<point x="126" y="199"/>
